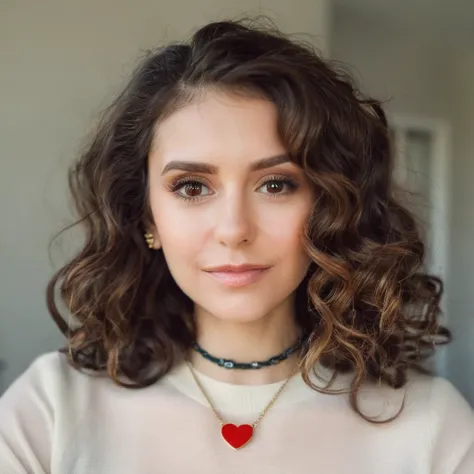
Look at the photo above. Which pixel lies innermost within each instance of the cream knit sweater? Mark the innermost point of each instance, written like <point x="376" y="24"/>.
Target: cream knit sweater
<point x="56" y="420"/>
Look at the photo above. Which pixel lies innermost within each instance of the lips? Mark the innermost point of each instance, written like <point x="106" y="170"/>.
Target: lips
<point x="237" y="275"/>
<point x="236" y="268"/>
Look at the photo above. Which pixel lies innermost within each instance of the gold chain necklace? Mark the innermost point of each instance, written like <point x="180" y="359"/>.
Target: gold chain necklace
<point x="237" y="436"/>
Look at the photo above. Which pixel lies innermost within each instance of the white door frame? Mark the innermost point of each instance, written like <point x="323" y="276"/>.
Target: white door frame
<point x="440" y="192"/>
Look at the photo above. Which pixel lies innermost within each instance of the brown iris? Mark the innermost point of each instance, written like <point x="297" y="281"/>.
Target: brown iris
<point x="274" y="187"/>
<point x="193" y="189"/>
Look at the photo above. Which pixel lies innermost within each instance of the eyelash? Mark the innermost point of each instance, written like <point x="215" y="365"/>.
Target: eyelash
<point x="176" y="185"/>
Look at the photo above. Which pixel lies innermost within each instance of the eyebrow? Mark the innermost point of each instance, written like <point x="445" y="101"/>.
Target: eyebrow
<point x="207" y="168"/>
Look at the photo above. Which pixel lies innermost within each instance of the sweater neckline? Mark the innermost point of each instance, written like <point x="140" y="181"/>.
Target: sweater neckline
<point x="243" y="400"/>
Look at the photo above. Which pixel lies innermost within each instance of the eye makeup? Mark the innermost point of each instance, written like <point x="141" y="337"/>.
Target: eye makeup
<point x="195" y="188"/>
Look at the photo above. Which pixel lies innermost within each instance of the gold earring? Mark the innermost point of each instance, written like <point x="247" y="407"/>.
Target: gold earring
<point x="150" y="240"/>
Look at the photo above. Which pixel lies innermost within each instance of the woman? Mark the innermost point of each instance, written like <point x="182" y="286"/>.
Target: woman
<point x="249" y="296"/>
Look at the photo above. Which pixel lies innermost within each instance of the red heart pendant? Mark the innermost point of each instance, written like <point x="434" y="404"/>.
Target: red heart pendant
<point x="237" y="436"/>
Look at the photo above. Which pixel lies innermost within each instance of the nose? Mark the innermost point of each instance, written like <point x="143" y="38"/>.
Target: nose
<point x="234" y="222"/>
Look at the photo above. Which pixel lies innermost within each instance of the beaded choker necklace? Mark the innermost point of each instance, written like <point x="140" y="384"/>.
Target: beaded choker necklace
<point x="231" y="364"/>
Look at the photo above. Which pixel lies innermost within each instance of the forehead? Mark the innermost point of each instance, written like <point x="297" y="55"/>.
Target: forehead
<point x="221" y="128"/>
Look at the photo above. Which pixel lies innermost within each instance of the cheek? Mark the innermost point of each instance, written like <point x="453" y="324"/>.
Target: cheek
<point x="179" y="233"/>
<point x="285" y="229"/>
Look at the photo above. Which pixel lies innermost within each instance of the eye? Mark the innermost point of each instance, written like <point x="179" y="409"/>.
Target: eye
<point x="278" y="186"/>
<point x="190" y="189"/>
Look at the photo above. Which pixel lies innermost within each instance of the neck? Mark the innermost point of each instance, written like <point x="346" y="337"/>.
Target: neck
<point x="246" y="342"/>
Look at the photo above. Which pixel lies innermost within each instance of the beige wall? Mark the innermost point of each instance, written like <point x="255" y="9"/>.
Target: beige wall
<point x="405" y="68"/>
<point x="60" y="63"/>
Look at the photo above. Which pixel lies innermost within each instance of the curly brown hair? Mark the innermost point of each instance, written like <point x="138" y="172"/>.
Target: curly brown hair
<point x="365" y="303"/>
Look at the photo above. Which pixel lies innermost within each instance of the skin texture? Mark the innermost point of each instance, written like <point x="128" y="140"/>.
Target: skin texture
<point x="237" y="215"/>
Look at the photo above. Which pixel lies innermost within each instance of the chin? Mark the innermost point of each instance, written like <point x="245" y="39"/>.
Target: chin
<point x="241" y="310"/>
<point x="239" y="316"/>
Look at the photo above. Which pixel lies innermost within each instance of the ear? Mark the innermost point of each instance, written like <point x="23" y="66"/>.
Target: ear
<point x="156" y="240"/>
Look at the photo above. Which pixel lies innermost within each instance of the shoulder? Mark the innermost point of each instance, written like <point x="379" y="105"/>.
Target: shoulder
<point x="438" y="396"/>
<point x="450" y="412"/>
<point x="29" y="411"/>
<point x="51" y="368"/>
<point x="452" y="428"/>
<point x="424" y="400"/>
<point x="436" y="406"/>
<point x="427" y="412"/>
<point x="44" y="372"/>
<point x="50" y="380"/>
<point x="50" y="395"/>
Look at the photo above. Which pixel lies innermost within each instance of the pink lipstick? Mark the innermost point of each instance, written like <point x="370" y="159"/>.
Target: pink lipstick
<point x="236" y="276"/>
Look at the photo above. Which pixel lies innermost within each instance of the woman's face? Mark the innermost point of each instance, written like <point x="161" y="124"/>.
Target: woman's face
<point x="223" y="193"/>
